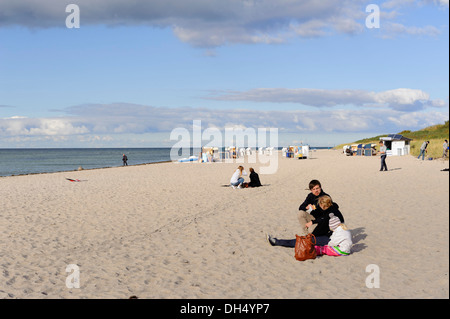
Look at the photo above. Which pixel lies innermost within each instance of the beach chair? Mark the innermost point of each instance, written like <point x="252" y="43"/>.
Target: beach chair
<point x="368" y="150"/>
<point x="359" y="150"/>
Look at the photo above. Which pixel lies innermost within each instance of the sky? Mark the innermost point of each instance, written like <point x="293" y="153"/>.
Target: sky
<point x="121" y="73"/>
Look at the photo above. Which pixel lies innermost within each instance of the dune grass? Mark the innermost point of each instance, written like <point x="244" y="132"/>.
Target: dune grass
<point x="436" y="134"/>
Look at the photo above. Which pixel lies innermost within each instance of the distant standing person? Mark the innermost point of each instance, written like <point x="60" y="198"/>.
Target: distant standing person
<point x="423" y="150"/>
<point x="383" y="156"/>
<point x="125" y="160"/>
<point x="445" y="147"/>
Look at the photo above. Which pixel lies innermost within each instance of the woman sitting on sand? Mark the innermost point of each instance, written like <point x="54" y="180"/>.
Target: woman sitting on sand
<point x="237" y="179"/>
<point x="254" y="179"/>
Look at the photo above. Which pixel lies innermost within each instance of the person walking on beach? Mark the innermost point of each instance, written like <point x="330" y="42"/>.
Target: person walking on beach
<point x="383" y="156"/>
<point x="423" y="150"/>
<point x="125" y="160"/>
<point x="445" y="149"/>
<point x="237" y="179"/>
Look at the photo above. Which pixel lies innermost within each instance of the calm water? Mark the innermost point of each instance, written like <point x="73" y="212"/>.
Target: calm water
<point x="26" y="161"/>
<point x="48" y="160"/>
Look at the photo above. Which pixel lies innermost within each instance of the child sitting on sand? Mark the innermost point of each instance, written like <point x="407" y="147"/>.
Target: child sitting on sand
<point x="340" y="241"/>
<point x="320" y="221"/>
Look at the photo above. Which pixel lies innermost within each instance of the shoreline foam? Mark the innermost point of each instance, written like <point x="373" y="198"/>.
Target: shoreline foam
<point x="85" y="169"/>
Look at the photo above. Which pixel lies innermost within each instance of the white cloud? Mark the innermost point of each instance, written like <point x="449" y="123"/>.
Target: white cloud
<point x="401" y="96"/>
<point x="397" y="3"/>
<point x="22" y="126"/>
<point x="443" y="3"/>
<point x="211" y="23"/>
<point x="347" y="26"/>
<point x="417" y="119"/>
<point x="390" y="4"/>
<point x="401" y="99"/>
<point x="391" y="30"/>
<point x="310" y="29"/>
<point x="105" y="123"/>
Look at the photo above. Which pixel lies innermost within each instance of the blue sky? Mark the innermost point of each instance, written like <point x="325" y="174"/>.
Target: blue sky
<point x="132" y="73"/>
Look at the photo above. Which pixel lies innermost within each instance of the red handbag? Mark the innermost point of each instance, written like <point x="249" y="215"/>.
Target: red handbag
<point x="304" y="247"/>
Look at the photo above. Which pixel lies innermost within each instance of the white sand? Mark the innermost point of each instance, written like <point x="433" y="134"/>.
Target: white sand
<point x="173" y="231"/>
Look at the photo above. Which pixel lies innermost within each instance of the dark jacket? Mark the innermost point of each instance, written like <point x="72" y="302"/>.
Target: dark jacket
<point x="311" y="199"/>
<point x="254" y="180"/>
<point x="322" y="218"/>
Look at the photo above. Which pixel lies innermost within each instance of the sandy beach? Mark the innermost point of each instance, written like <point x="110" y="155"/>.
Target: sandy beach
<point x="173" y="230"/>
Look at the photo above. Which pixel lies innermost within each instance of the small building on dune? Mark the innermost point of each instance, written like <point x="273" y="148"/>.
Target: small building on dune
<point x="397" y="145"/>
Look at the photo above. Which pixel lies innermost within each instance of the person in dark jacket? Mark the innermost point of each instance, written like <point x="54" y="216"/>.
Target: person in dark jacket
<point x="125" y="160"/>
<point x="254" y="179"/>
<point x="322" y="216"/>
<point x="309" y="205"/>
<point x="311" y="200"/>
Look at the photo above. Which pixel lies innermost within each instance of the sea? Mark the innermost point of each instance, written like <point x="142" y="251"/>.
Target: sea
<point x="48" y="160"/>
<point x="23" y="161"/>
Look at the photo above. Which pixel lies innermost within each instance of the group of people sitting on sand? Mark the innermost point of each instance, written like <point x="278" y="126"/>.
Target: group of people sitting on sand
<point x="320" y="216"/>
<point x="237" y="180"/>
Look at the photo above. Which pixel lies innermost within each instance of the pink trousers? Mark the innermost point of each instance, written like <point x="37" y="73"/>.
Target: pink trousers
<point x="327" y="250"/>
